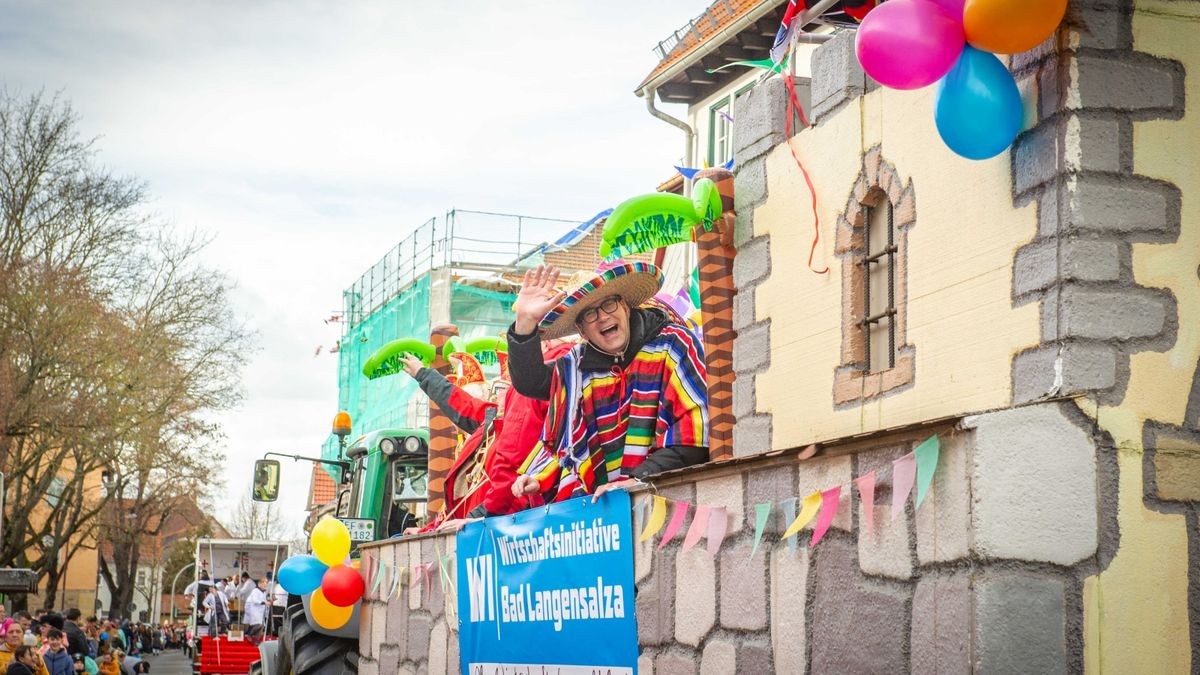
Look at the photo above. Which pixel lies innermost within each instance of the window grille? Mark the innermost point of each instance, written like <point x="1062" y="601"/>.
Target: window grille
<point x="879" y="287"/>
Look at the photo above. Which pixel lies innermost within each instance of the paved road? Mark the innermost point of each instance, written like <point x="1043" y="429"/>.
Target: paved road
<point x="170" y="662"/>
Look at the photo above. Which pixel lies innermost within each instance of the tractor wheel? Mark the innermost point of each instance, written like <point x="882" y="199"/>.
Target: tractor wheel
<point x="313" y="653"/>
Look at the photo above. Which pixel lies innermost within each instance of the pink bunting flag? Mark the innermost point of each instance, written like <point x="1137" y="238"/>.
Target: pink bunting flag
<point x="904" y="472"/>
<point x="866" y="492"/>
<point x="718" y="522"/>
<point x="698" y="528"/>
<point x="829" y="509"/>
<point x="678" y="515"/>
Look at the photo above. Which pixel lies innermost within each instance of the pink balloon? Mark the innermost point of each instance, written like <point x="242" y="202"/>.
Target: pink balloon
<point x="909" y="44"/>
<point x="953" y="7"/>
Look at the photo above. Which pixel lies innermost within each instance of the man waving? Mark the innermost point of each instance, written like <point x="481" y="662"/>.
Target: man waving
<point x="629" y="402"/>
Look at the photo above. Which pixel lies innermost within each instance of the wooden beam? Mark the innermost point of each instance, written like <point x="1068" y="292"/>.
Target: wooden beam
<point x="732" y="51"/>
<point x="678" y="92"/>
<point x="752" y="41"/>
<point x="696" y="75"/>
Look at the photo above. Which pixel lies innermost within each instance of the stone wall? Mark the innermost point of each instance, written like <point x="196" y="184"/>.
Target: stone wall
<point x="985" y="577"/>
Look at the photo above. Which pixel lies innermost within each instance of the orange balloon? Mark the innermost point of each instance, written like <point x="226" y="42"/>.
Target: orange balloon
<point x="1011" y="26"/>
<point x="328" y="615"/>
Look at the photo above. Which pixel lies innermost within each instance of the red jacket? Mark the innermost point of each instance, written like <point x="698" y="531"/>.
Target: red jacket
<point x="505" y="441"/>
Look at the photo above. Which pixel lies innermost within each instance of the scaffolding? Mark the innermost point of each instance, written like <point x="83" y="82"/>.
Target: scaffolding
<point x="461" y="269"/>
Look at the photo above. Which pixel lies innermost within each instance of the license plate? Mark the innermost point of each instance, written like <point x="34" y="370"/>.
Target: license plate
<point x="361" y="529"/>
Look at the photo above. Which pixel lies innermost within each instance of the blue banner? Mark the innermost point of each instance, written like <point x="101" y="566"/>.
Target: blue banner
<point x="550" y="587"/>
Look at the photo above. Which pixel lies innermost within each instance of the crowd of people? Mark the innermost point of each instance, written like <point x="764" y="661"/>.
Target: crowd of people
<point x="567" y="417"/>
<point x="49" y="643"/>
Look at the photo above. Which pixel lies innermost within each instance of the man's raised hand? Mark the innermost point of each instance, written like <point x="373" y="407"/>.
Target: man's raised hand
<point x="536" y="297"/>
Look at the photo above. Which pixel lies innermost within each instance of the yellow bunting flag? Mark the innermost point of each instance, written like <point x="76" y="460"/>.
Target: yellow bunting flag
<point x="658" y="516"/>
<point x="808" y="511"/>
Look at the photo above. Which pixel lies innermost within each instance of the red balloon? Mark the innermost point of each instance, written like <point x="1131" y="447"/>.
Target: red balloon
<point x="342" y="585"/>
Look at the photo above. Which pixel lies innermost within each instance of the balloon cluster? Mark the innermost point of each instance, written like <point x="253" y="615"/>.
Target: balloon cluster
<point x="329" y="574"/>
<point x="909" y="44"/>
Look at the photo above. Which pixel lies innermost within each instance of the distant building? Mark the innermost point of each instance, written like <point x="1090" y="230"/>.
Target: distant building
<point x="152" y="599"/>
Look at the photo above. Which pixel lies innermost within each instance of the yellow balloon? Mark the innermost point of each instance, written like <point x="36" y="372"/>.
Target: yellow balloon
<point x="326" y="614"/>
<point x="330" y="541"/>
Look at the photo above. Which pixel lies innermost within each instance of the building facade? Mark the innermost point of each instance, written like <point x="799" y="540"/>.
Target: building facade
<point x="1035" y="312"/>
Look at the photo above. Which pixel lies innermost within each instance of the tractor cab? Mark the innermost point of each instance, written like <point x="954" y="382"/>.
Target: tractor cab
<point x="388" y="483"/>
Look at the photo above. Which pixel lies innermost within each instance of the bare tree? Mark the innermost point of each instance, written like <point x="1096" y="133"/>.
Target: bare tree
<point x="115" y="347"/>
<point x="258" y="520"/>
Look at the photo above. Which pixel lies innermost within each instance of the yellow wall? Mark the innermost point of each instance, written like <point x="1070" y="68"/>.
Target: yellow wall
<point x="1136" y="612"/>
<point x="960" y="254"/>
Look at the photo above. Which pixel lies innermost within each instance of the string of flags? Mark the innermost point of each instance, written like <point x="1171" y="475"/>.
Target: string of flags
<point x="384" y="580"/>
<point x="818" y="508"/>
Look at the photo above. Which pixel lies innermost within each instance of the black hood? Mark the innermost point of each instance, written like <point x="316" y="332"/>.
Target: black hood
<point x="645" y="323"/>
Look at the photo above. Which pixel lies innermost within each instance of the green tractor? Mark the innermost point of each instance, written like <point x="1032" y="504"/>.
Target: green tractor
<point x="383" y="489"/>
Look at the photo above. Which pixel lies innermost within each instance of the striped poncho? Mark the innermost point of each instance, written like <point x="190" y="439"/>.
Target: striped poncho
<point x="602" y="424"/>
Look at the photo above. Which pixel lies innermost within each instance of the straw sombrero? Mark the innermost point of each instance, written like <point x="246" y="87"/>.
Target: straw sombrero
<point x="635" y="282"/>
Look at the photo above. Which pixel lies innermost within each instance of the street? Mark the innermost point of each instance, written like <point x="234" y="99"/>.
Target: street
<point x="170" y="662"/>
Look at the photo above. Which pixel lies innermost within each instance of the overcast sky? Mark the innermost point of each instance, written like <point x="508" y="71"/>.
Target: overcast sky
<point x="308" y="138"/>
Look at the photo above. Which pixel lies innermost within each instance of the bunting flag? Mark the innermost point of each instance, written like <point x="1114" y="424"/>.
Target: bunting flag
<point x="698" y="528"/>
<point x="927" y="459"/>
<point x="765" y="64"/>
<point x="761" y="513"/>
<point x="639" y="514"/>
<point x="789" y="514"/>
<point x="866" y="492"/>
<point x="829" y="509"/>
<point x="904" y="471"/>
<point x="808" y="509"/>
<point x="689" y="172"/>
<point x="678" y="515"/>
<point x="718" y="523"/>
<point x="658" y="515"/>
<point x="783" y="36"/>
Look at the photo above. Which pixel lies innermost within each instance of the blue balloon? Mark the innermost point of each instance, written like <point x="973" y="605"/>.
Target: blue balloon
<point x="977" y="108"/>
<point x="301" y="574"/>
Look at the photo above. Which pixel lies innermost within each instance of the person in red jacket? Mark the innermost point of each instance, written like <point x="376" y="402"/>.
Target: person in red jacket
<point x="503" y="430"/>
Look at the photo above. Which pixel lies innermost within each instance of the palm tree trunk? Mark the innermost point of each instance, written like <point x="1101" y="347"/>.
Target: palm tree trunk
<point x="715" y="252"/>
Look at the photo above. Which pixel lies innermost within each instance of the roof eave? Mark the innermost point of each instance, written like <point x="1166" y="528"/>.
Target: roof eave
<point x="698" y="52"/>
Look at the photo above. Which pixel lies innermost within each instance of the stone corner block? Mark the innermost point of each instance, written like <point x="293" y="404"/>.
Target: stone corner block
<point x="744" y="587"/>
<point x="695" y="599"/>
<point x="752" y="263"/>
<point x="1033" y="485"/>
<point x="941" y="623"/>
<point x="836" y="75"/>
<point x="943" y="521"/>
<point x="752" y="435"/>
<point x="724" y="491"/>
<point x="761" y="114"/>
<point x="749" y="185"/>
<point x="1114" y="313"/>
<point x="789" y="578"/>
<point x="1020" y="624"/>
<point x="752" y="348"/>
<point x="885" y="550"/>
<point x="1085" y="367"/>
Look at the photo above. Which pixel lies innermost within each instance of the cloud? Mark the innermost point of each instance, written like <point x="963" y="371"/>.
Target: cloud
<point x="310" y="137"/>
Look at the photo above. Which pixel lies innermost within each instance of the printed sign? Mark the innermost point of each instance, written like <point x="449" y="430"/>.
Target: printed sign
<point x="361" y="529"/>
<point x="549" y="590"/>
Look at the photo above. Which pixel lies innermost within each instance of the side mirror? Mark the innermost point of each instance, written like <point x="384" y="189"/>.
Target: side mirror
<point x="266" y="480"/>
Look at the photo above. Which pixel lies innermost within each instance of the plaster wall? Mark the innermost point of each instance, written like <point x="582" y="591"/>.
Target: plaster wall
<point x="1137" y="608"/>
<point x="948" y="587"/>
<point x="960" y="315"/>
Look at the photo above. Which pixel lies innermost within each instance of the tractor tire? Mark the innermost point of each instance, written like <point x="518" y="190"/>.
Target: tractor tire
<point x="313" y="653"/>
